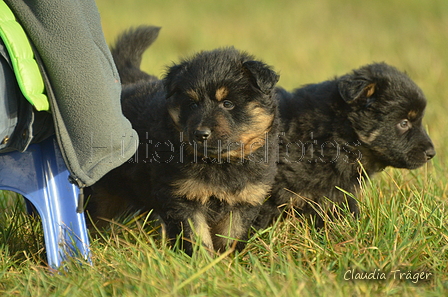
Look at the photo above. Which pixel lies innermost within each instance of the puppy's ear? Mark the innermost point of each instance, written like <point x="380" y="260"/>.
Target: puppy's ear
<point x="352" y="89"/>
<point x="261" y="75"/>
<point x="172" y="79"/>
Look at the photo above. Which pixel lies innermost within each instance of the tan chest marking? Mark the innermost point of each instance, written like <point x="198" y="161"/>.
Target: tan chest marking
<point x="193" y="189"/>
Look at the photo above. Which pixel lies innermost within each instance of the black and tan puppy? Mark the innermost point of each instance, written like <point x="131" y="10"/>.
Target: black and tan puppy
<point x="205" y="163"/>
<point x="338" y="130"/>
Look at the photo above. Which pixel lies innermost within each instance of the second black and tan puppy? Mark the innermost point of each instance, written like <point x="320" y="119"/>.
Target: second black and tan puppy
<point x="204" y="163"/>
<point x="338" y="130"/>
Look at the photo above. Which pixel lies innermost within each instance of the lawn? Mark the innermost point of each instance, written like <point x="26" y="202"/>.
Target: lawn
<point x="400" y="242"/>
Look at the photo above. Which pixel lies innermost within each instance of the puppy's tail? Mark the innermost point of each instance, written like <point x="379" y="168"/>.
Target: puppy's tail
<point x="128" y="50"/>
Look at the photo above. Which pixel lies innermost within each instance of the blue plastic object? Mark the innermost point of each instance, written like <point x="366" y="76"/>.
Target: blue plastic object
<point x="40" y="175"/>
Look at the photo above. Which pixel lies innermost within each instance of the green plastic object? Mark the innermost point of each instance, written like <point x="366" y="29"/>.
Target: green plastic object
<point x="21" y="54"/>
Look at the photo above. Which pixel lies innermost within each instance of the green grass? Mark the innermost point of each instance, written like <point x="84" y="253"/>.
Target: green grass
<point x="404" y="213"/>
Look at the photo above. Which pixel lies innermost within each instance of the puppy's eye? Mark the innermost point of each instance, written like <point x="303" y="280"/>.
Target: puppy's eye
<point x="227" y="104"/>
<point x="193" y="105"/>
<point x="404" y="125"/>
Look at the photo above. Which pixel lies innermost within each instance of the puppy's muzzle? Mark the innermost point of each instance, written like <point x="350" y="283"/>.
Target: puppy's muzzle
<point x="202" y="133"/>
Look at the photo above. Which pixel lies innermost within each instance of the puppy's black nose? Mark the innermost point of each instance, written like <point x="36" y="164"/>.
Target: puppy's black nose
<point x="202" y="134"/>
<point x="430" y="153"/>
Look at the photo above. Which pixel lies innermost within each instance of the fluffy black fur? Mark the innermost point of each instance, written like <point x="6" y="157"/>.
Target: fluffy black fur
<point x="204" y="163"/>
<point x="366" y="120"/>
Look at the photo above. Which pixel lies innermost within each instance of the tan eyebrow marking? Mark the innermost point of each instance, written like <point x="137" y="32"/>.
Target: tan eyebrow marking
<point x="221" y="93"/>
<point x="193" y="95"/>
<point x="370" y="89"/>
<point x="413" y="114"/>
